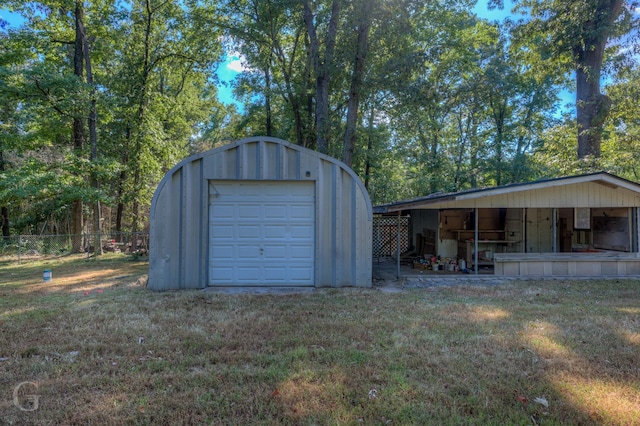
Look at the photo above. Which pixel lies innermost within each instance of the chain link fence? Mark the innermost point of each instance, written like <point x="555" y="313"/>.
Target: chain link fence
<point x="36" y="247"/>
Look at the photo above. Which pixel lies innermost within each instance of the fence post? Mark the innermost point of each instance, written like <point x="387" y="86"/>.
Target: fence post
<point x="19" y="249"/>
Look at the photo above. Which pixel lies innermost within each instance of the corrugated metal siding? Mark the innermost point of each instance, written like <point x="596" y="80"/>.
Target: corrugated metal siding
<point x="179" y="212"/>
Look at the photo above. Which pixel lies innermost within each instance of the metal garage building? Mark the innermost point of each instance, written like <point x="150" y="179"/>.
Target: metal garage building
<point x="260" y="212"/>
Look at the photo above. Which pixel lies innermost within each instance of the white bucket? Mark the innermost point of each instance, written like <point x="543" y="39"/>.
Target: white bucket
<point x="47" y="275"/>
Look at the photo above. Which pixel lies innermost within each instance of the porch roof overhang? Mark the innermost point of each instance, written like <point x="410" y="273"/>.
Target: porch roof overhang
<point x="594" y="190"/>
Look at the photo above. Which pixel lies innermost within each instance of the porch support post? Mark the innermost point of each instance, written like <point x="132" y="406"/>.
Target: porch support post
<point x="554" y="229"/>
<point x="476" y="234"/>
<point x="636" y="235"/>
<point x="398" y="245"/>
<point x="524" y="230"/>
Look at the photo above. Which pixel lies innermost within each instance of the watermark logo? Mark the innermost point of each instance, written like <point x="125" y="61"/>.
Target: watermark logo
<point x="25" y="396"/>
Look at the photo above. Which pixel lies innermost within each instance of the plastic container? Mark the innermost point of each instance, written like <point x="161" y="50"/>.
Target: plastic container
<point x="47" y="275"/>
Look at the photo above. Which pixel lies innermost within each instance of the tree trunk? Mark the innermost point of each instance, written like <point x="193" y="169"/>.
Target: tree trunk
<point x="362" y="47"/>
<point x="139" y="134"/>
<point x="121" y="182"/>
<point x="93" y="132"/>
<point x="464" y="130"/>
<point x="322" y="69"/>
<point x="498" y="112"/>
<point x="4" y="219"/>
<point x="293" y="100"/>
<point x="78" y="129"/>
<point x="4" y="211"/>
<point x="369" y="154"/>
<point x="267" y="100"/>
<point x="592" y="107"/>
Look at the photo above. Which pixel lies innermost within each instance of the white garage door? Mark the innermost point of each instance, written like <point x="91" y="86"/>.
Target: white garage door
<point x="261" y="233"/>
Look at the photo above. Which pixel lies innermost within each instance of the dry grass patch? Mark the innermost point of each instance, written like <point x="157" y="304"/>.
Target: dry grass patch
<point x="523" y="353"/>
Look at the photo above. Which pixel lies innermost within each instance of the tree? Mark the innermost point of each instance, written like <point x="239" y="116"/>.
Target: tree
<point x="270" y="36"/>
<point x="322" y="64"/>
<point x="621" y="148"/>
<point x="364" y="11"/>
<point x="53" y="79"/>
<point x="575" y="34"/>
<point x="140" y="94"/>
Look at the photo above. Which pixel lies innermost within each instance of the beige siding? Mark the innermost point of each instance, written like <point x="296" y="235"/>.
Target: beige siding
<point x="583" y="194"/>
<point x="568" y="264"/>
<point x="179" y="212"/>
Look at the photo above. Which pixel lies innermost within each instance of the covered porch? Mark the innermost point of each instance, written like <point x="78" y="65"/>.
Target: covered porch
<point x="584" y="225"/>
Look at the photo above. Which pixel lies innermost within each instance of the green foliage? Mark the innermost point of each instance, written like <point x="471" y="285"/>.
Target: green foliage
<point x="621" y="149"/>
<point x="448" y="101"/>
<point x="151" y="68"/>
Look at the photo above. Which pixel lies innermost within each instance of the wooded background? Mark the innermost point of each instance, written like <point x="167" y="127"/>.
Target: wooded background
<point x="98" y="99"/>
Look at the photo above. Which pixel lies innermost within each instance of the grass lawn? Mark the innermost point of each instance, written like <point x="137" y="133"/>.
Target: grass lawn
<point x="103" y="350"/>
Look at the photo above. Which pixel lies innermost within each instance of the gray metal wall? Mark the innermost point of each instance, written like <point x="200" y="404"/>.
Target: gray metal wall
<point x="179" y="212"/>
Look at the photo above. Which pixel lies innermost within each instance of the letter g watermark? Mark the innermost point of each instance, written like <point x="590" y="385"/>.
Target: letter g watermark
<point x="28" y="402"/>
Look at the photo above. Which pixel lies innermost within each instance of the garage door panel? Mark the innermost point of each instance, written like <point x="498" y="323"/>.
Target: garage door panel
<point x="224" y="252"/>
<point x="262" y="233"/>
<point x="275" y="212"/>
<point x="246" y="189"/>
<point x="248" y="252"/>
<point x="222" y="231"/>
<point x="274" y="252"/>
<point x="273" y="191"/>
<point x="300" y="232"/>
<point x="300" y="274"/>
<point x="274" y="274"/>
<point x="222" y="212"/>
<point x="301" y="252"/>
<point x="249" y="231"/>
<point x="248" y="211"/>
<point x="299" y="191"/>
<point x="248" y="273"/>
<point x="276" y="232"/>
<point x="225" y="274"/>
<point x="301" y="211"/>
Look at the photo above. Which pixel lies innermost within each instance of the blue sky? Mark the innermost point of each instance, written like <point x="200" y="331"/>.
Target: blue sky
<point x="493" y="15"/>
<point x="14" y="19"/>
<point x="227" y="72"/>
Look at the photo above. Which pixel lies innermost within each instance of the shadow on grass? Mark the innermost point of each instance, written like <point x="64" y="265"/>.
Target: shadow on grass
<point x="69" y="273"/>
<point x="453" y="355"/>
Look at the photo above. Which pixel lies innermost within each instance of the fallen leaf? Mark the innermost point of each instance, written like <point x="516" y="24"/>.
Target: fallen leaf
<point x="520" y="397"/>
<point x="275" y="392"/>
